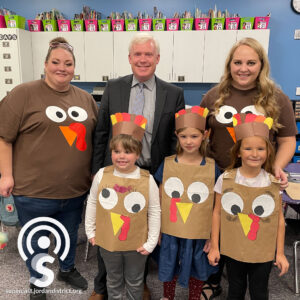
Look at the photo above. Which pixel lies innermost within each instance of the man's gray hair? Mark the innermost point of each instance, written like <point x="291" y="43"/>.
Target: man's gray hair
<point x="144" y="37"/>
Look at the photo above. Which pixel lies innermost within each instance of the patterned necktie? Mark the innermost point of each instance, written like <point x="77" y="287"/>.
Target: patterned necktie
<point x="138" y="103"/>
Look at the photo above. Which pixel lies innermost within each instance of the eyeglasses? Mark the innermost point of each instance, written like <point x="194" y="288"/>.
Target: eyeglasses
<point x="61" y="45"/>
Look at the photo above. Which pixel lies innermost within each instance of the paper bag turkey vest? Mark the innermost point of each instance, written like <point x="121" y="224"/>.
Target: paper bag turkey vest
<point x="187" y="199"/>
<point x="249" y="220"/>
<point x="121" y="211"/>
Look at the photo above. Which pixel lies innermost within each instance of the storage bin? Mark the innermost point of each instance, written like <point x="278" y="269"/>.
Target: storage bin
<point x="246" y="23"/>
<point x="232" y="23"/>
<point x="201" y="23"/>
<point x="118" y="25"/>
<point x="159" y="24"/>
<point x="217" y="23"/>
<point x="104" y="25"/>
<point x="261" y="22"/>
<point x="64" y="25"/>
<point x="91" y="25"/>
<point x="35" y="25"/>
<point x="2" y="22"/>
<point x="15" y="21"/>
<point x="77" y="25"/>
<point x="186" y="23"/>
<point x="172" y="24"/>
<point x="131" y="24"/>
<point x="145" y="24"/>
<point x="50" y="25"/>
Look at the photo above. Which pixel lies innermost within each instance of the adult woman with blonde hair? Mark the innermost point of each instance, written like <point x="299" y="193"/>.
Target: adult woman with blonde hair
<point x="45" y="154"/>
<point x="246" y="87"/>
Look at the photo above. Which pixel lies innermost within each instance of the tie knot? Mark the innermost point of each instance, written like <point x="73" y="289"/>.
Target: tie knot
<point x="141" y="85"/>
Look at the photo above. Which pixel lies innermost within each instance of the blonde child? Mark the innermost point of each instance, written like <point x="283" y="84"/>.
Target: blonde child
<point x="123" y="210"/>
<point x="248" y="212"/>
<point x="186" y="190"/>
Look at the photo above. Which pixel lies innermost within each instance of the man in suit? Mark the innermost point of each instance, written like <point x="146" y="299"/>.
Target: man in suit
<point x="160" y="102"/>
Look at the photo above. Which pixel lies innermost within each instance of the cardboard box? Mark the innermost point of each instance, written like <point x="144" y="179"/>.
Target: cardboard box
<point x="186" y="23"/>
<point x="50" y="25"/>
<point x="91" y="25"/>
<point x="77" y="25"/>
<point x="261" y="22"/>
<point x="217" y="23"/>
<point x="246" y="23"/>
<point x="35" y="25"/>
<point x="201" y="23"/>
<point x="145" y="24"/>
<point x="232" y="23"/>
<point x="159" y="24"/>
<point x="118" y="25"/>
<point x="104" y="25"/>
<point x="172" y="24"/>
<point x="131" y="24"/>
<point x="15" y="21"/>
<point x="64" y="25"/>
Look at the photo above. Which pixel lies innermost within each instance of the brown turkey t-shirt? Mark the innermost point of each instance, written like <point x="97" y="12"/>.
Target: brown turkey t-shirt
<point x="51" y="133"/>
<point x="241" y="101"/>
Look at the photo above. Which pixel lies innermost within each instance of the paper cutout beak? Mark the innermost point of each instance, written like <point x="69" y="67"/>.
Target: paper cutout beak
<point x="73" y="131"/>
<point x="120" y="222"/>
<point x="231" y="132"/>
<point x="250" y="225"/>
<point x="184" y="210"/>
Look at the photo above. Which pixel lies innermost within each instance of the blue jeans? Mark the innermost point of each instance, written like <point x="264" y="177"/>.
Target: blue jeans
<point x="66" y="211"/>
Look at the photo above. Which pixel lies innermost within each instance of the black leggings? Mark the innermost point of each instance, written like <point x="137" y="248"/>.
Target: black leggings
<point x="257" y="275"/>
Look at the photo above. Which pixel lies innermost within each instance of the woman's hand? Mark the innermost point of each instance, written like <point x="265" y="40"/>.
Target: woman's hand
<point x="6" y="185"/>
<point x="213" y="257"/>
<point x="282" y="264"/>
<point x="143" y="251"/>
<point x="92" y="241"/>
<point x="280" y="175"/>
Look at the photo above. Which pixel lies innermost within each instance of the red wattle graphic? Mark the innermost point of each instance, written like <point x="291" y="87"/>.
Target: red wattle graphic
<point x="80" y="130"/>
<point x="122" y="189"/>
<point x="125" y="228"/>
<point x="173" y="209"/>
<point x="253" y="228"/>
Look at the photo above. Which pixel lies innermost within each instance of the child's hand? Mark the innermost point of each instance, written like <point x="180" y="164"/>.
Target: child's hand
<point x="159" y="239"/>
<point x="207" y="246"/>
<point x="282" y="264"/>
<point x="213" y="257"/>
<point x="143" y="251"/>
<point x="92" y="241"/>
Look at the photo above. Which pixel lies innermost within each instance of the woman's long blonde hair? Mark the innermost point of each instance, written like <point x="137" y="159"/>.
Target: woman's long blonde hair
<point x="265" y="100"/>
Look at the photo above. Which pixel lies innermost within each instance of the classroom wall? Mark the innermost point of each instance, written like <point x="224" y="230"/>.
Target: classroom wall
<point x="284" y="51"/>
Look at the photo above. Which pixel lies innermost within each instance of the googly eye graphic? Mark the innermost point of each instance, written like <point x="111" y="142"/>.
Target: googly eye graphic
<point x="250" y="109"/>
<point x="56" y="114"/>
<point x="197" y="192"/>
<point x="225" y="114"/>
<point x="77" y="113"/>
<point x="134" y="202"/>
<point x="263" y="205"/>
<point x="108" y="198"/>
<point x="174" y="187"/>
<point x="232" y="203"/>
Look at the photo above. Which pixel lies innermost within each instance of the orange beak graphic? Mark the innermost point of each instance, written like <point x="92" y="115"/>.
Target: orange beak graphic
<point x="250" y="225"/>
<point x="120" y="222"/>
<point x="231" y="132"/>
<point x="184" y="210"/>
<point x="73" y="131"/>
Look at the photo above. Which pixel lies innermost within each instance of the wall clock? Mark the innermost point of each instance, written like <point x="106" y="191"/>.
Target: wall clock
<point x="296" y="6"/>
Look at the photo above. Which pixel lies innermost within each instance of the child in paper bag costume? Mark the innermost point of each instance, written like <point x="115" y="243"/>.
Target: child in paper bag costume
<point x="123" y="210"/>
<point x="248" y="212"/>
<point x="187" y="180"/>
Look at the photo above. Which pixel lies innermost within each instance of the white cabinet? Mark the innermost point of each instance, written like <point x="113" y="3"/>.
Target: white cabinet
<point x="165" y="65"/>
<point x="15" y="59"/>
<point x="261" y="35"/>
<point x="40" y="45"/>
<point x="216" y="48"/>
<point x="188" y="56"/>
<point x="120" y="50"/>
<point x="98" y="56"/>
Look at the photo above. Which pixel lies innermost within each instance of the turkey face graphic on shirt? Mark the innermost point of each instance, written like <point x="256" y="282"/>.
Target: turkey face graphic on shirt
<point x="226" y="112"/>
<point x="75" y="130"/>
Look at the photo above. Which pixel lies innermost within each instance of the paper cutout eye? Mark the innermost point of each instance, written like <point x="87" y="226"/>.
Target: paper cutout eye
<point x="225" y="114"/>
<point x="250" y="109"/>
<point x="197" y="192"/>
<point x="56" y="114"/>
<point x="134" y="202"/>
<point x="174" y="187"/>
<point x="108" y="198"/>
<point x="77" y="113"/>
<point x="263" y="205"/>
<point x="232" y="203"/>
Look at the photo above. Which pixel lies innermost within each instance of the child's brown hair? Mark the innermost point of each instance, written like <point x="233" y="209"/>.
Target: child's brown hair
<point x="202" y="148"/>
<point x="236" y="161"/>
<point x="128" y="142"/>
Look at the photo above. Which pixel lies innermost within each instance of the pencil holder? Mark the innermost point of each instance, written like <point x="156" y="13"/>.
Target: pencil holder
<point x="159" y="24"/>
<point x="2" y="22"/>
<point x="172" y="24"/>
<point x="186" y="23"/>
<point x="50" y="25"/>
<point x="261" y="22"/>
<point x="64" y="25"/>
<point x="104" y="25"/>
<point x="91" y="25"/>
<point x="77" y="25"/>
<point x="246" y="23"/>
<point x="232" y="23"/>
<point x="217" y="23"/>
<point x="118" y="25"/>
<point x="15" y="21"/>
<point x="35" y="25"/>
<point x="201" y="23"/>
<point x="131" y="24"/>
<point x="145" y="24"/>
